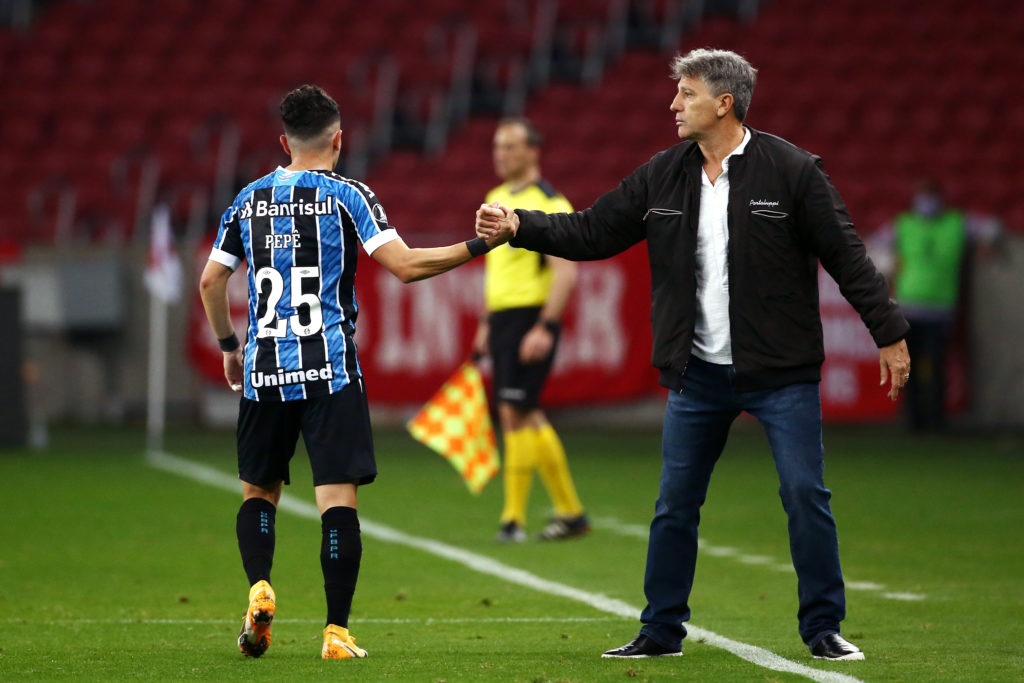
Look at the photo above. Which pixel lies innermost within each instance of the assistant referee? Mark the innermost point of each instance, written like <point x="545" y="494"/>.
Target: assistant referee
<point x="525" y="295"/>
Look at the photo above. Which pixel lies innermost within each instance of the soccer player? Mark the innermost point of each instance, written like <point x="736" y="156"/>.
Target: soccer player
<point x="299" y="229"/>
<point x="525" y="295"/>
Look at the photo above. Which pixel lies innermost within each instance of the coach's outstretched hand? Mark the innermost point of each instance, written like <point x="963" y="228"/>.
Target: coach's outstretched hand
<point x="496" y="224"/>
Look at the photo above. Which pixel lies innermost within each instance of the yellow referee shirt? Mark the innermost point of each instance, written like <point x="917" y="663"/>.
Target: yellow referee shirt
<point x="515" y="278"/>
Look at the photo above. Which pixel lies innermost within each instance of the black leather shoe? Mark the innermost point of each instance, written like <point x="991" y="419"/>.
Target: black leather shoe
<point x="641" y="647"/>
<point x="834" y="646"/>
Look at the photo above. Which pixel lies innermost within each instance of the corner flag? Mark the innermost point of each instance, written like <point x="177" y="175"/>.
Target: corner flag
<point x="455" y="423"/>
<point x="163" y="273"/>
<point x="163" y="279"/>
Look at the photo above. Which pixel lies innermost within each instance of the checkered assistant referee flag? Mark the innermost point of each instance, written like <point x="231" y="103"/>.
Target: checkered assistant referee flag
<point x="455" y="422"/>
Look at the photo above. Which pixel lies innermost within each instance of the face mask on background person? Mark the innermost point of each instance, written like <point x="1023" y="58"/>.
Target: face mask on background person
<point x="927" y="204"/>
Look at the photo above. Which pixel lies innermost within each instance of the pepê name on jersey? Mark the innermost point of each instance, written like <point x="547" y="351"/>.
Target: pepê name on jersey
<point x="262" y="208"/>
<point x="285" y="377"/>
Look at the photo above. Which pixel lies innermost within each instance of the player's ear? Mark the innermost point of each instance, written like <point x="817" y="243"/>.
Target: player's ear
<point x="284" y="143"/>
<point x="336" y="140"/>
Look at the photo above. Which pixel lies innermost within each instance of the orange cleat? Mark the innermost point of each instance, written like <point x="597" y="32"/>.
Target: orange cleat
<point x="338" y="644"/>
<point x="254" y="638"/>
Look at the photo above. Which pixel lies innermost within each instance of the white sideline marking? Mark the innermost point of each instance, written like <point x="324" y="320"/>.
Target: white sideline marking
<point x="751" y="653"/>
<point x="638" y="531"/>
<point x="716" y="551"/>
<point x="904" y="596"/>
<point x="865" y="586"/>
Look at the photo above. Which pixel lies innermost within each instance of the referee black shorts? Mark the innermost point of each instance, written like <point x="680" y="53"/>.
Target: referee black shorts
<point x="335" y="429"/>
<point x="515" y="382"/>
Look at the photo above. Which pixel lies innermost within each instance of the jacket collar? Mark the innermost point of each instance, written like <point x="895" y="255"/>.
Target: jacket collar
<point x="692" y="153"/>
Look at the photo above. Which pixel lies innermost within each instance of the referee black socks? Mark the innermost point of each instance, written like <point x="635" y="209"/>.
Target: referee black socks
<point x="340" y="553"/>
<point x="255" y="528"/>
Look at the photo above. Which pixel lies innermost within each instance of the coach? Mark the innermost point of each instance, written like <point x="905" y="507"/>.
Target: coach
<point x="735" y="222"/>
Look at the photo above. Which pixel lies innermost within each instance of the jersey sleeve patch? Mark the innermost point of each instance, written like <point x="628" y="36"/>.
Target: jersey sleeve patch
<point x="364" y="208"/>
<point x="381" y="238"/>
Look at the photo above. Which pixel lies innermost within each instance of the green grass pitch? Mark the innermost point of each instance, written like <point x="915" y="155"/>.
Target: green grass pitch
<point x="114" y="570"/>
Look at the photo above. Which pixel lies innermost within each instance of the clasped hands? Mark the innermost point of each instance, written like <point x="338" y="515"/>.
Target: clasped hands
<point x="496" y="224"/>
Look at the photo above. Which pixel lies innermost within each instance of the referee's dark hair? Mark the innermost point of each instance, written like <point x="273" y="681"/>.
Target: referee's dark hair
<point x="307" y="111"/>
<point x="534" y="138"/>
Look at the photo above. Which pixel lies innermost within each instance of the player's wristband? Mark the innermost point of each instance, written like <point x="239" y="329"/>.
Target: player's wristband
<point x="477" y="247"/>
<point x="229" y="344"/>
<point x="552" y="326"/>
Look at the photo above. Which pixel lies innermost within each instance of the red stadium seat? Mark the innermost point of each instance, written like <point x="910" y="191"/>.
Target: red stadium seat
<point x="831" y="81"/>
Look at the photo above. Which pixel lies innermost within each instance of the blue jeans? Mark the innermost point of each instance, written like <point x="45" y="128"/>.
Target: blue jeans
<point x="697" y="421"/>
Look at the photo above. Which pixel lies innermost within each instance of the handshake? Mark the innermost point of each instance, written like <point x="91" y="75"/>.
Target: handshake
<point x="496" y="224"/>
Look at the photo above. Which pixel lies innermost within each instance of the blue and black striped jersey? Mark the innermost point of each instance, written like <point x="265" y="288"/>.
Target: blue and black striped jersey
<point x="299" y="232"/>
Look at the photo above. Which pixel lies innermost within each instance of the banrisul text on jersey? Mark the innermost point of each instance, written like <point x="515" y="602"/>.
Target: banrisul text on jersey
<point x="263" y="208"/>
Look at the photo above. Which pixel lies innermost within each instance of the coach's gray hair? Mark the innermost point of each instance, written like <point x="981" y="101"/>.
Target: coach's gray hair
<point x="722" y="72"/>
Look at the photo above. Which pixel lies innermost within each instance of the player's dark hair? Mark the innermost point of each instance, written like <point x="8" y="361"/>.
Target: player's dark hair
<point x="534" y="138"/>
<point x="307" y="111"/>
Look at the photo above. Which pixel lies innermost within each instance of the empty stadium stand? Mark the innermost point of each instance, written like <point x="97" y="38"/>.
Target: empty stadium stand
<point x="94" y="92"/>
<point x="885" y="92"/>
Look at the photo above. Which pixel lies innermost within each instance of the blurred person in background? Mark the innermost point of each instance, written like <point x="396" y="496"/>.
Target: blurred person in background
<point x="525" y="296"/>
<point x="735" y="221"/>
<point x="299" y="228"/>
<point x="931" y="245"/>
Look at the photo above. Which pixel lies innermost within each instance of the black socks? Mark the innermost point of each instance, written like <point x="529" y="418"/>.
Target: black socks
<point x="340" y="553"/>
<point x="255" y="529"/>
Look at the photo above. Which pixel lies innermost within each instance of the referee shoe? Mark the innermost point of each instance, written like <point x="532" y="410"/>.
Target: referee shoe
<point x="562" y="528"/>
<point x="254" y="638"/>
<point x="510" y="532"/>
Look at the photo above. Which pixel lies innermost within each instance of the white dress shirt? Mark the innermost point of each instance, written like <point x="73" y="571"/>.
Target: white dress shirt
<point x="712" y="340"/>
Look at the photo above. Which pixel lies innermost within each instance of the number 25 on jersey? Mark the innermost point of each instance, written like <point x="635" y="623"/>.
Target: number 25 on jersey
<point x="269" y="325"/>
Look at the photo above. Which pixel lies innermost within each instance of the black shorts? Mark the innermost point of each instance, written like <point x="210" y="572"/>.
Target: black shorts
<point x="514" y="382"/>
<point x="335" y="429"/>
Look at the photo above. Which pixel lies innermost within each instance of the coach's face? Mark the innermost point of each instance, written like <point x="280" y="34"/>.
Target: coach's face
<point x="697" y="110"/>
<point x="512" y="156"/>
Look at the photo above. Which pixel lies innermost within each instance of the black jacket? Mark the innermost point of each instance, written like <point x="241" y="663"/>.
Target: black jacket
<point x="784" y="215"/>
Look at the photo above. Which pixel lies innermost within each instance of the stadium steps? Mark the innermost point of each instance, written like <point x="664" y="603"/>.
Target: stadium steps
<point x="884" y="92"/>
